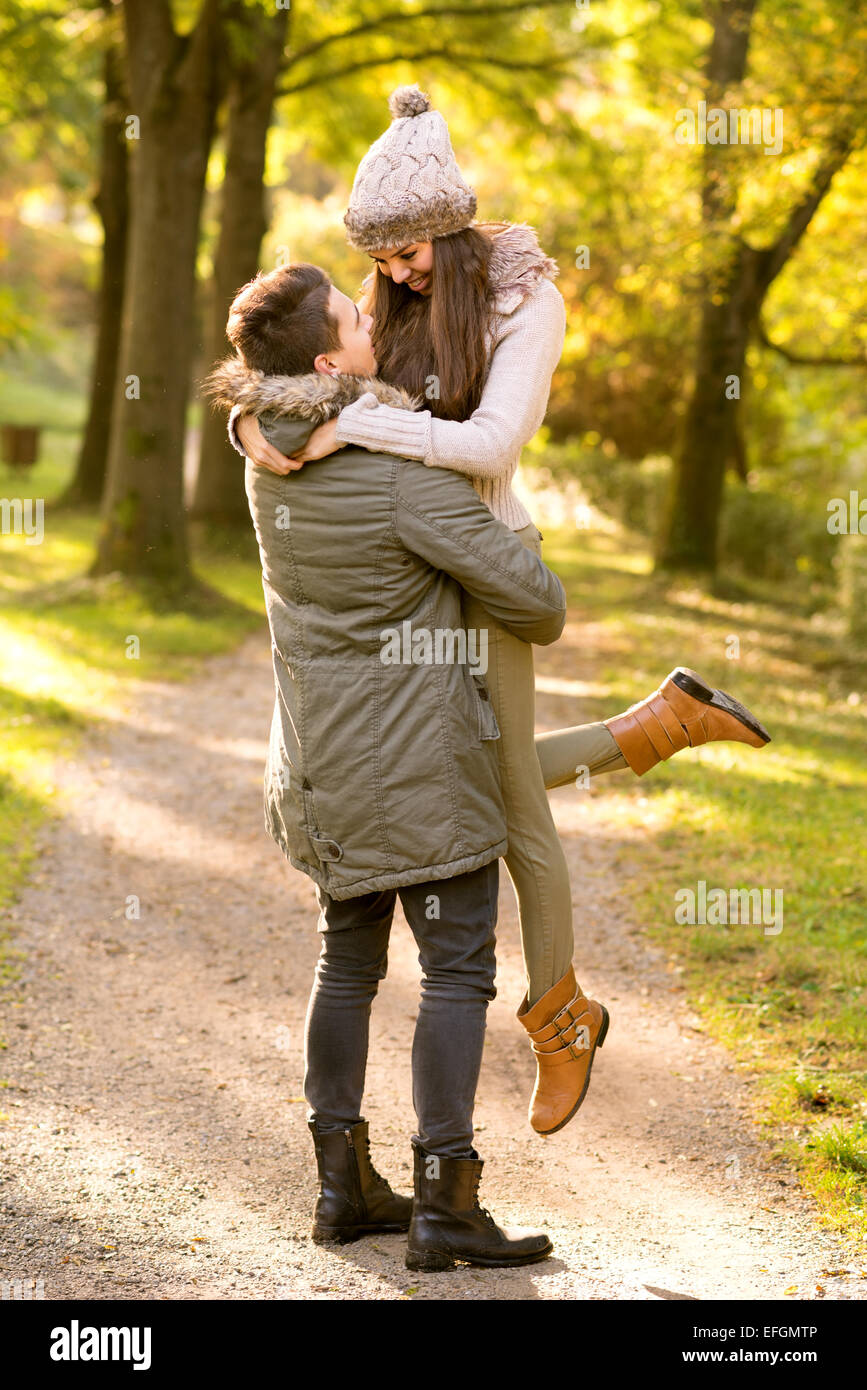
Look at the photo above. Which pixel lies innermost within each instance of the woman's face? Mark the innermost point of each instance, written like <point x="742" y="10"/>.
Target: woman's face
<point x="410" y="265"/>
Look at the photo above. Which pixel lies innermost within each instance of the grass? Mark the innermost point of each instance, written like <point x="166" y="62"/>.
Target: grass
<point x="789" y="1005"/>
<point x="66" y="655"/>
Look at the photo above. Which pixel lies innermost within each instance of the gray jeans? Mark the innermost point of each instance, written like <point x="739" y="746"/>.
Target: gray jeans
<point x="453" y="922"/>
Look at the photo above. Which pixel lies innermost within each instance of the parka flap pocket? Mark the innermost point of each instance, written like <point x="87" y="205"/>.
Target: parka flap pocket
<point x="328" y="851"/>
<point x="488" y="726"/>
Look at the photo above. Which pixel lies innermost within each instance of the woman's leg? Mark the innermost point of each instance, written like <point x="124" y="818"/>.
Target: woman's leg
<point x="564" y="753"/>
<point x="564" y="1027"/>
<point x="535" y="859"/>
<point x="684" y="712"/>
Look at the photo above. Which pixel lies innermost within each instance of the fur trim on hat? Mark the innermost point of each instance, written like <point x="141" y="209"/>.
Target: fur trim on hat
<point x="442" y="214"/>
<point x="311" y="396"/>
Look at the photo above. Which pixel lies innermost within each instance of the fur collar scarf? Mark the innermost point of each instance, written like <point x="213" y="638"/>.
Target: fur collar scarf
<point x="517" y="263"/>
<point x="312" y="396"/>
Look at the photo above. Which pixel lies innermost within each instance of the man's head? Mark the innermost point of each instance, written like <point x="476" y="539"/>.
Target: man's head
<point x="293" y="320"/>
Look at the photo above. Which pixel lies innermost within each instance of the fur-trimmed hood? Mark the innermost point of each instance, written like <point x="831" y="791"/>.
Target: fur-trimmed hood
<point x="312" y="396"/>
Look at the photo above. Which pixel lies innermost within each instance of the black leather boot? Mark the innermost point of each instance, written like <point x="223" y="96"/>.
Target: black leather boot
<point x="353" y="1201"/>
<point x="448" y="1224"/>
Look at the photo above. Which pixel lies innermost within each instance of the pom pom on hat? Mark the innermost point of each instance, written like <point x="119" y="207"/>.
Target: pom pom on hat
<point x="408" y="101"/>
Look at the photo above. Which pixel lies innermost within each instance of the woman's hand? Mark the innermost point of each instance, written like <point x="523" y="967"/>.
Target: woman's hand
<point x="322" y="442"/>
<point x="259" y="450"/>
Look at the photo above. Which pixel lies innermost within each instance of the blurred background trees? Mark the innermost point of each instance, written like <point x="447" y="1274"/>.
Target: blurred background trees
<point x="711" y="392"/>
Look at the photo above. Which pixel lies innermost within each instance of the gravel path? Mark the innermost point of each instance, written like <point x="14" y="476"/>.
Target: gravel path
<point x="153" y="1141"/>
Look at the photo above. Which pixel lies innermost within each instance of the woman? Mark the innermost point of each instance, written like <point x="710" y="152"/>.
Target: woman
<point x="467" y="316"/>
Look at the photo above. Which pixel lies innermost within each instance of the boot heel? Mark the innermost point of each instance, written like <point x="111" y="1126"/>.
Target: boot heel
<point x="603" y="1031"/>
<point x="429" y="1261"/>
<point x="691" y="683"/>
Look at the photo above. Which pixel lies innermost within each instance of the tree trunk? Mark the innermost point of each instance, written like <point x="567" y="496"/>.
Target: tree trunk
<point x="112" y="204"/>
<point x="710" y="436"/>
<point x="219" y="492"/>
<point x="174" y="83"/>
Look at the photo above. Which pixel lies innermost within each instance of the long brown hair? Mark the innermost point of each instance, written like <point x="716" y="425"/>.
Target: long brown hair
<point x="434" y="345"/>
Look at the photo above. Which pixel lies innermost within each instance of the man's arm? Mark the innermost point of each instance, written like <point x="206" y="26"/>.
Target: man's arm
<point x="440" y="517"/>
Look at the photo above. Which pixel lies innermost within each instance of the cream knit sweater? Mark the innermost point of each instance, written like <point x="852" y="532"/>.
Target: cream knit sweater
<point x="525" y="341"/>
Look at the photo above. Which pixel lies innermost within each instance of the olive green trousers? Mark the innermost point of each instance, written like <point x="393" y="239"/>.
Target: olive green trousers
<point x="528" y="766"/>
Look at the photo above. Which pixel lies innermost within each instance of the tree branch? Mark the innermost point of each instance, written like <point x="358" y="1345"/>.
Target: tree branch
<point x="552" y="65"/>
<point x="401" y="17"/>
<point x="799" y="359"/>
<point x="509" y="96"/>
<point x="775" y="256"/>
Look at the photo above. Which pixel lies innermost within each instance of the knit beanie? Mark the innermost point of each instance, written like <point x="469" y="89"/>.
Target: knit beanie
<point x="408" y="186"/>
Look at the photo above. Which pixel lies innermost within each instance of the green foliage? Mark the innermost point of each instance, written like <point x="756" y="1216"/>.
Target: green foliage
<point x="766" y="535"/>
<point x="844" y="1149"/>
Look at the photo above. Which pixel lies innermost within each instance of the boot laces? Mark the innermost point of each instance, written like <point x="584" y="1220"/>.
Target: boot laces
<point x="482" y="1211"/>
<point x="378" y="1179"/>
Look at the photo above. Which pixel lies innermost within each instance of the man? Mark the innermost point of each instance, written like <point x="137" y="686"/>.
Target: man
<point x="382" y="775"/>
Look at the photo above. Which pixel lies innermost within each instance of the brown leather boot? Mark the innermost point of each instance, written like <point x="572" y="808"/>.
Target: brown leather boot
<point x="565" y="1029"/>
<point x="684" y="712"/>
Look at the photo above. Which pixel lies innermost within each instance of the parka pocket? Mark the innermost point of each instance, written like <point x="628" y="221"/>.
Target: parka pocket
<point x="327" y="850"/>
<point x="488" y="726"/>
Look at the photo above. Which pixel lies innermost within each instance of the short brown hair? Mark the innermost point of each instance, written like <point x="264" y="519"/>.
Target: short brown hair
<point x="280" y="321"/>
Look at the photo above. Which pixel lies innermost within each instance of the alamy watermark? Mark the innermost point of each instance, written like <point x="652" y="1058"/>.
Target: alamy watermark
<point x="77" y="1343"/>
<point x="740" y="126"/>
<point x="22" y="1290"/>
<point x="444" y="646"/>
<point x="848" y="517"/>
<point x="23" y="516"/>
<point x="717" y="907"/>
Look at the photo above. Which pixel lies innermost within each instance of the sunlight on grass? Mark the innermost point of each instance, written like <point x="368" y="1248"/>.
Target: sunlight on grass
<point x="792" y="816"/>
<point x="65" y="657"/>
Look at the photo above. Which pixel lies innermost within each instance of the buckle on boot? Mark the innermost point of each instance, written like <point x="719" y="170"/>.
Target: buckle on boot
<point x="582" y="1031"/>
